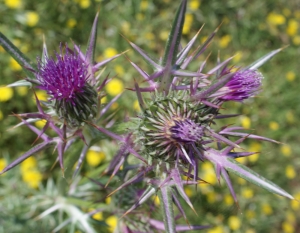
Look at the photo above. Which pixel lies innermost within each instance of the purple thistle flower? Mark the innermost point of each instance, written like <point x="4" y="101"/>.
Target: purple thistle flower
<point x="64" y="77"/>
<point x="243" y="84"/>
<point x="75" y="93"/>
<point x="66" y="81"/>
<point x="172" y="131"/>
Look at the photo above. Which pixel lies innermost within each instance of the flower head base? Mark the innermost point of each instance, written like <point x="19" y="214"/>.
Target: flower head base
<point x="66" y="81"/>
<point x="172" y="127"/>
<point x="243" y="85"/>
<point x="186" y="131"/>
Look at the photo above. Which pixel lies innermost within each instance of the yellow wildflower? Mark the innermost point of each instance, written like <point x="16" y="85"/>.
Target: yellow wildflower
<point x="217" y="229"/>
<point x="237" y="57"/>
<point x="188" y="191"/>
<point x="290" y="76"/>
<point x="22" y="91"/>
<point x="114" y="106"/>
<point x="292" y="27"/>
<point x="114" y="87"/>
<point x="13" y="4"/>
<point x="94" y="157"/>
<point x="288" y="227"/>
<point x="149" y="36"/>
<point x="112" y="222"/>
<point x="84" y="3"/>
<point x="242" y="160"/>
<point x="125" y="26"/>
<point x="286" y="150"/>
<point x="98" y="216"/>
<point x="136" y="105"/>
<point x="250" y="214"/>
<point x="28" y="164"/>
<point x="32" y="18"/>
<point x="246" y="122"/>
<point x="144" y="5"/>
<point x="228" y="199"/>
<point x="267" y="209"/>
<point x="241" y="181"/>
<point x="250" y="231"/>
<point x="194" y="4"/>
<point x="296" y="40"/>
<point x="163" y="35"/>
<point x="71" y="23"/>
<point x="274" y="125"/>
<point x="203" y="39"/>
<point x="140" y="17"/>
<point x="247" y="193"/>
<point x="24" y="48"/>
<point x="254" y="147"/>
<point x="234" y="223"/>
<point x="187" y="23"/>
<point x="209" y="173"/>
<point x="224" y="41"/>
<point x="110" y="52"/>
<point x="275" y="19"/>
<point x="156" y="200"/>
<point x="103" y="100"/>
<point x="290" y="172"/>
<point x="2" y="164"/>
<point x="40" y="123"/>
<point x="14" y="65"/>
<point x="290" y="117"/>
<point x="119" y="70"/>
<point x="290" y="216"/>
<point x="32" y="177"/>
<point x="41" y="95"/>
<point x="6" y="93"/>
<point x="211" y="197"/>
<point x="295" y="204"/>
<point x="108" y="200"/>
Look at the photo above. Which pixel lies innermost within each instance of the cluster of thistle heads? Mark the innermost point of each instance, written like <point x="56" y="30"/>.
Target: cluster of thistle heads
<point x="173" y="133"/>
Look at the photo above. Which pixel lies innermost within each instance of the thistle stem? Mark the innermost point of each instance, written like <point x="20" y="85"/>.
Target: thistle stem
<point x="64" y="180"/>
<point x="165" y="198"/>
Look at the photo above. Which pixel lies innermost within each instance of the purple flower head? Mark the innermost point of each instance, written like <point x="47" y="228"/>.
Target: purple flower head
<point x="185" y="131"/>
<point x="243" y="85"/>
<point x="172" y="130"/>
<point x="66" y="80"/>
<point x="64" y="77"/>
<point x="72" y="81"/>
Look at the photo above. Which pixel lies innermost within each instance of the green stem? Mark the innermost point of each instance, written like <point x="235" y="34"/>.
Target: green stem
<point x="165" y="198"/>
<point x="65" y="179"/>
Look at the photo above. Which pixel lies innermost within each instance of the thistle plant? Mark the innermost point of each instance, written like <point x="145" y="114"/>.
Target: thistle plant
<point x="176" y="129"/>
<point x="72" y="81"/>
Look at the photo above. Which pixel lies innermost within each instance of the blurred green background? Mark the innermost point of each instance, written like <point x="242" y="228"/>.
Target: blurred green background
<point x="249" y="30"/>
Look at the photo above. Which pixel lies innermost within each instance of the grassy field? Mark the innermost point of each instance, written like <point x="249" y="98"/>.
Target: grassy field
<point x="249" y="29"/>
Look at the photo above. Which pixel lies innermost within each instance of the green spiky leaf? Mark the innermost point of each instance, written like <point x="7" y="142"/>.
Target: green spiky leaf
<point x="17" y="55"/>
